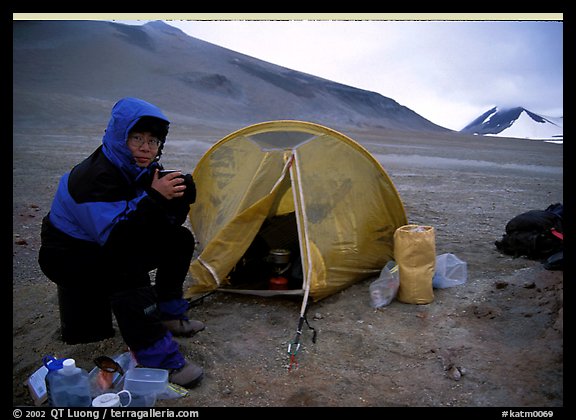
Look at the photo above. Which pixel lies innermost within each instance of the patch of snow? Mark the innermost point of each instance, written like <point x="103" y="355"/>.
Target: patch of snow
<point x="490" y="116"/>
<point x="525" y="127"/>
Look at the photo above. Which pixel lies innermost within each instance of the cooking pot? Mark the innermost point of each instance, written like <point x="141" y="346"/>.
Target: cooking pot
<point x="279" y="256"/>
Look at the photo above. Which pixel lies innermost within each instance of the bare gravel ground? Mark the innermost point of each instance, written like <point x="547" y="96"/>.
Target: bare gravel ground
<point x="496" y="341"/>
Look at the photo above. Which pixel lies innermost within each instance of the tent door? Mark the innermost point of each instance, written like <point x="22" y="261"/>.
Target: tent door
<point x="258" y="266"/>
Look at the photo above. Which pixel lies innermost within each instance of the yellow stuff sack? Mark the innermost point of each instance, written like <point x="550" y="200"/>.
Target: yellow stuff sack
<point x="415" y="254"/>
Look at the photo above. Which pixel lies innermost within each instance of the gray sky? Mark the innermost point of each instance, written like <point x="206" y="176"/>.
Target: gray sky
<point x="448" y="71"/>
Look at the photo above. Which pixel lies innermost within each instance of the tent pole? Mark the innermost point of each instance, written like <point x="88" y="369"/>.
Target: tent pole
<point x="295" y="178"/>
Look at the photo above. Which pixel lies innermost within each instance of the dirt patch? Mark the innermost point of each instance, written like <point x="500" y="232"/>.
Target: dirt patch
<point x="496" y="340"/>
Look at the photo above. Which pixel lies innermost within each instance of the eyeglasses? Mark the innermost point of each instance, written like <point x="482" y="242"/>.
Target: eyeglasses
<point x="137" y="140"/>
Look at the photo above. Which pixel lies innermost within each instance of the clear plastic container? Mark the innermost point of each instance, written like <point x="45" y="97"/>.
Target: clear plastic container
<point x="145" y="384"/>
<point x="146" y="380"/>
<point x="140" y="399"/>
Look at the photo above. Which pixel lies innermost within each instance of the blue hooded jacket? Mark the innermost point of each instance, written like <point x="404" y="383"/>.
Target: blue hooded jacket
<point x="106" y="188"/>
<point x="125" y="115"/>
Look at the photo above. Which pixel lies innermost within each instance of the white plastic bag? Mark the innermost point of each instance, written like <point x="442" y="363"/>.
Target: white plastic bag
<point x="450" y="271"/>
<point x="383" y="290"/>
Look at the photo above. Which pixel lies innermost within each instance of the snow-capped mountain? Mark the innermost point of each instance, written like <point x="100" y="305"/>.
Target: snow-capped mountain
<point x="517" y="122"/>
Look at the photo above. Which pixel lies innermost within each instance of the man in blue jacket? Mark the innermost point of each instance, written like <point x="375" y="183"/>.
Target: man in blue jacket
<point x="113" y="221"/>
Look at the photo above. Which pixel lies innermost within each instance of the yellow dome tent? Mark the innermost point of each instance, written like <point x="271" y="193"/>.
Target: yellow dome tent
<point x="345" y="208"/>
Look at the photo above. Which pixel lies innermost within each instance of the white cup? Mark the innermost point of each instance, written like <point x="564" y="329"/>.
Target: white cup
<point x="111" y="399"/>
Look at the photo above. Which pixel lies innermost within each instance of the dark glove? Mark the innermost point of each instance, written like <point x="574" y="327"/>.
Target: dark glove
<point x="190" y="192"/>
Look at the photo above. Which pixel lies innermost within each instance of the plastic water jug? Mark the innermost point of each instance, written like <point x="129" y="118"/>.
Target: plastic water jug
<point x="68" y="386"/>
<point x="53" y="365"/>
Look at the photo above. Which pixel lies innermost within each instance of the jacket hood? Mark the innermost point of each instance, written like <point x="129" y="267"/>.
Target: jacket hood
<point x="125" y="113"/>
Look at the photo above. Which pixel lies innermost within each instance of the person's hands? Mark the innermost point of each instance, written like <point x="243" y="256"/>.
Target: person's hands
<point x="170" y="185"/>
